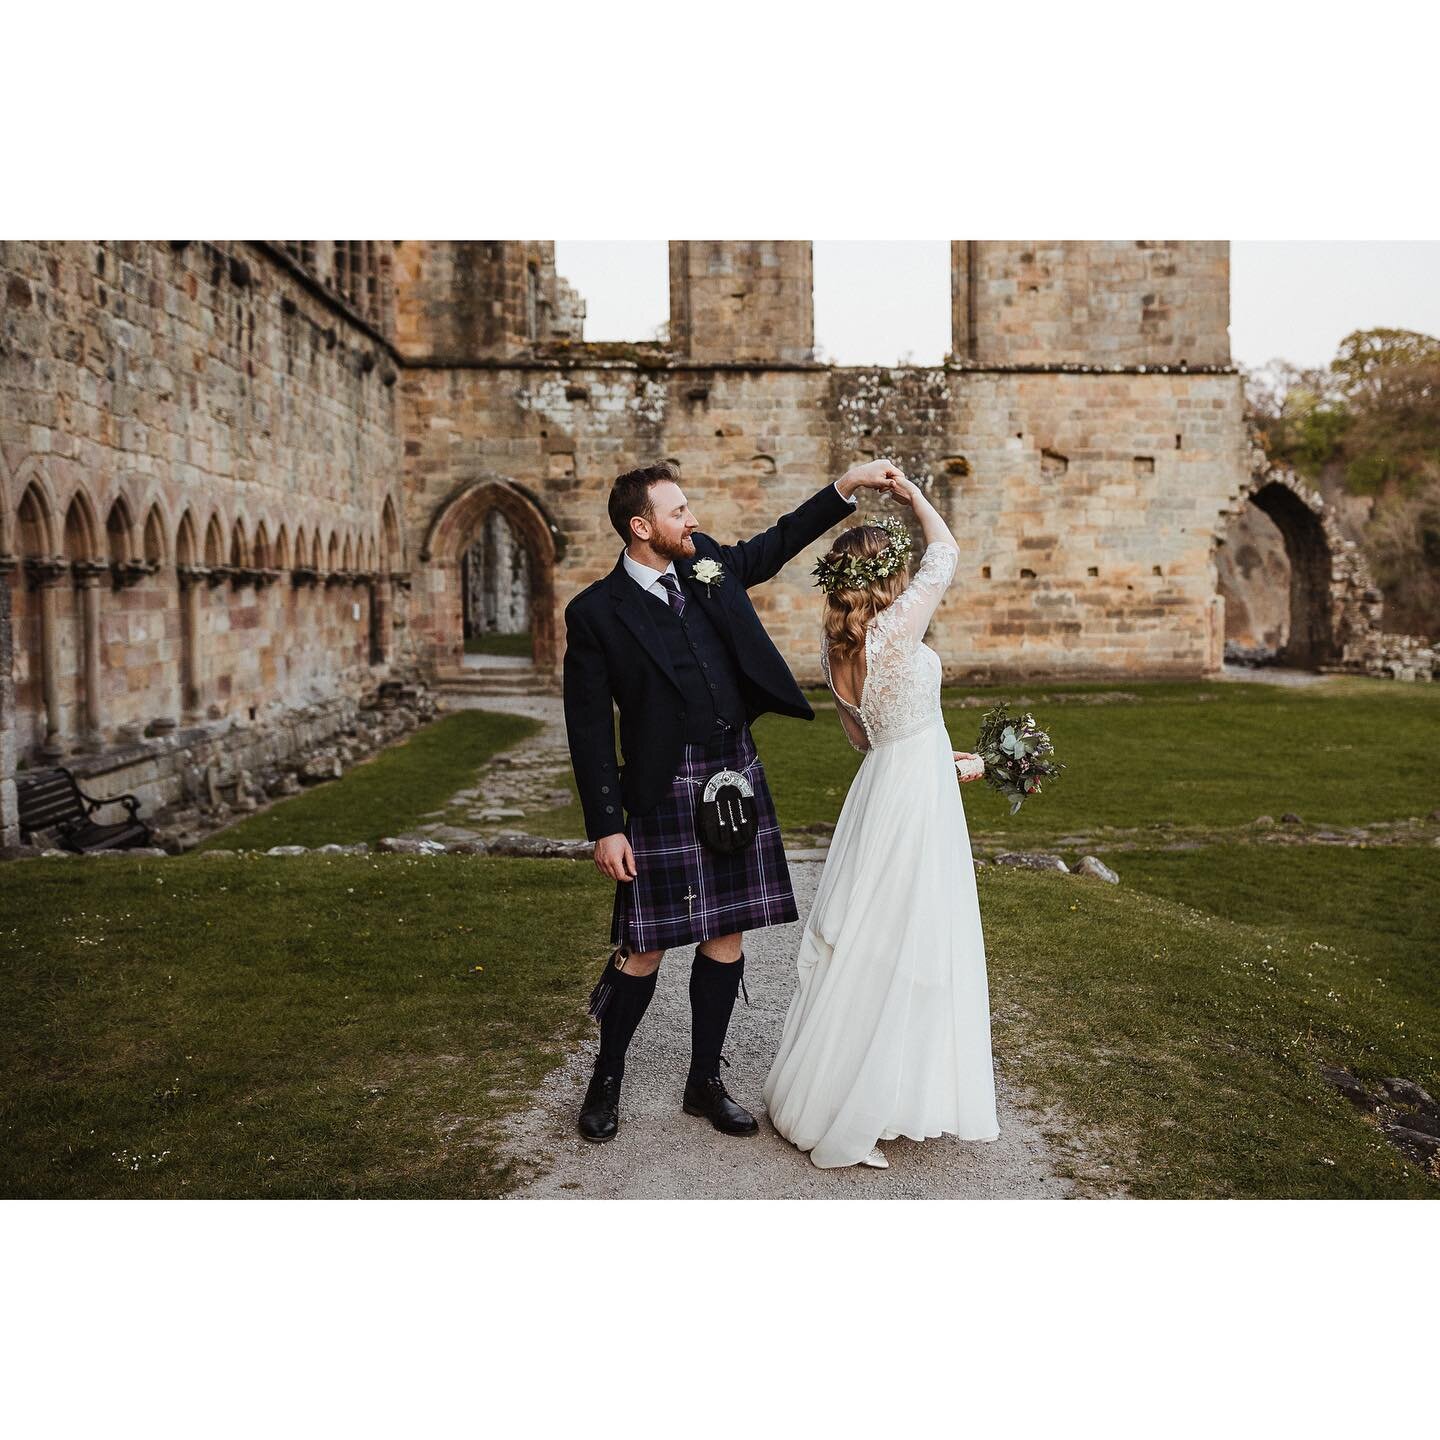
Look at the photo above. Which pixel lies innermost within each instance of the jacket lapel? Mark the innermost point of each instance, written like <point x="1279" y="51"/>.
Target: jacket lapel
<point x="632" y="605"/>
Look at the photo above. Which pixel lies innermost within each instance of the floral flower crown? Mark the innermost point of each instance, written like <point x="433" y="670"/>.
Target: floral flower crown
<point x="854" y="572"/>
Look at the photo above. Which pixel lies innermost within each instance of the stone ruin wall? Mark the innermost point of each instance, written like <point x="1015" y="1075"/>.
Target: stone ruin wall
<point x="197" y="446"/>
<point x="1087" y="532"/>
<point x="302" y="437"/>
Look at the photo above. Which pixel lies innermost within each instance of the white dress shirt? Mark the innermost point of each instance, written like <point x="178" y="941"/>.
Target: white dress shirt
<point x="649" y="580"/>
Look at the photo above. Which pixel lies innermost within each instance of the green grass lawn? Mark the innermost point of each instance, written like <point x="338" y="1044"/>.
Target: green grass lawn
<point x="1194" y="756"/>
<point x="206" y="1015"/>
<point x="317" y="1026"/>
<point x="1188" y="1043"/>
<point x="516" y="644"/>
<point x="1202" y="756"/>
<point x="387" y="794"/>
<point x="314" y="1026"/>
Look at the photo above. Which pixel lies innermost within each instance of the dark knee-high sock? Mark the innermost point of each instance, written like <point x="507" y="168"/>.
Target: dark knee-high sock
<point x="622" y="1013"/>
<point x="712" y="999"/>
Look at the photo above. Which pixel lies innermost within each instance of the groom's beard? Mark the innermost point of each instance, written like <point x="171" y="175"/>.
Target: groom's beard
<point x="672" y="550"/>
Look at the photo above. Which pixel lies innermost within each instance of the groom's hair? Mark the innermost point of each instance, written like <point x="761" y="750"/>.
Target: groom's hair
<point x="630" y="495"/>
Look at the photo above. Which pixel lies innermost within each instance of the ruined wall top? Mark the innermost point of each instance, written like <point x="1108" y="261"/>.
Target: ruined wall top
<point x="1093" y="302"/>
<point x="742" y="300"/>
<point x="460" y="300"/>
<point x="1104" y="304"/>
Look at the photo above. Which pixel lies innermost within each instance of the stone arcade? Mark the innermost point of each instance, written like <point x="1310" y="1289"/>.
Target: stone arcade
<point x="242" y="484"/>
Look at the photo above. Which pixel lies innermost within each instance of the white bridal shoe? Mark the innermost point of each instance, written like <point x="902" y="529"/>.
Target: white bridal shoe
<point x="876" y="1160"/>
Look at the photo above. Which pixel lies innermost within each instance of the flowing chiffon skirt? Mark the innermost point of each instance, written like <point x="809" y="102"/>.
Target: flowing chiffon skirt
<point x="888" y="1031"/>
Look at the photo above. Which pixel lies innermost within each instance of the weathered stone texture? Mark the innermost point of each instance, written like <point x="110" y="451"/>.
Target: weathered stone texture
<point x="460" y="300"/>
<point x="167" y="410"/>
<point x="238" y="478"/>
<point x="1055" y="475"/>
<point x="741" y="300"/>
<point x="1091" y="302"/>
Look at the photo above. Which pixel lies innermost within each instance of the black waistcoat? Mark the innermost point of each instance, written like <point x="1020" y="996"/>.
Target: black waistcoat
<point x="703" y="666"/>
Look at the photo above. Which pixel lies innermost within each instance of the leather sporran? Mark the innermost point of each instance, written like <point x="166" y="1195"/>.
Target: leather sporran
<point x="728" y="819"/>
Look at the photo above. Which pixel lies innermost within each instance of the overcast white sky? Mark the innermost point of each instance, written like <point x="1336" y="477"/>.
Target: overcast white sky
<point x="878" y="301"/>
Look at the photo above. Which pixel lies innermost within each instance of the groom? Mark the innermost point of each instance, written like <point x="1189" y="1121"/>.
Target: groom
<point x="671" y="638"/>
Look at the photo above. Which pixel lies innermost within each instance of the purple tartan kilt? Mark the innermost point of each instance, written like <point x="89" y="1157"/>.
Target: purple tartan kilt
<point x="746" y="891"/>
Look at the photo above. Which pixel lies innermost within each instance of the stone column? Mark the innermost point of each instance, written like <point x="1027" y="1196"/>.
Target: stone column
<point x="962" y="300"/>
<point x="192" y="582"/>
<point x="380" y="619"/>
<point x="9" y="808"/>
<point x="87" y="581"/>
<point x="46" y="578"/>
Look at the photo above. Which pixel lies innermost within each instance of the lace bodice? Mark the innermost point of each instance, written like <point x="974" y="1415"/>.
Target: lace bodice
<point x="901" y="695"/>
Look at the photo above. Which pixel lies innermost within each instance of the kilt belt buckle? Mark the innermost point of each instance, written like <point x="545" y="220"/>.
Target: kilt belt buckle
<point x="727" y="816"/>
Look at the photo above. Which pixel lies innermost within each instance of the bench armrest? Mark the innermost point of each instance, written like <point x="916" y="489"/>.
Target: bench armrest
<point x="92" y="804"/>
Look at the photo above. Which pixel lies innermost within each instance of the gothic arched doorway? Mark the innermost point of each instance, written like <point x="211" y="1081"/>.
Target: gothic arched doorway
<point x="491" y="553"/>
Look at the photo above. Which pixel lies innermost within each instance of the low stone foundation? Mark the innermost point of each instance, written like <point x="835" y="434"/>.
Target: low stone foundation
<point x="1392" y="657"/>
<point x="196" y="780"/>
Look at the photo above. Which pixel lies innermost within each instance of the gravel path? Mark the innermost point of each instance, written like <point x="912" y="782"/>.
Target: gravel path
<point x="663" y="1154"/>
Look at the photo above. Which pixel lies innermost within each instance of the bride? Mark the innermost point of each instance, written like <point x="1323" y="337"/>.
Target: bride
<point x="888" y="1031"/>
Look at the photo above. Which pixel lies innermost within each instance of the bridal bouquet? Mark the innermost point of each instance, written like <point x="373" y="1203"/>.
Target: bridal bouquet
<point x="1016" y="753"/>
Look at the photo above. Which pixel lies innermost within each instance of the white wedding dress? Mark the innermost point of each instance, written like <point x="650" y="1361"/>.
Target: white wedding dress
<point x="888" y="1032"/>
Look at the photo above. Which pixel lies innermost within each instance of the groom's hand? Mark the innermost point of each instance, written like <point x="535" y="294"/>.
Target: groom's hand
<point x="615" y="858"/>
<point x="873" y="475"/>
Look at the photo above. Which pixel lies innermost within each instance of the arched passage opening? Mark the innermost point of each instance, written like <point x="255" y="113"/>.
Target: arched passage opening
<point x="495" y="590"/>
<point x="492" y="552"/>
<point x="1276" y="567"/>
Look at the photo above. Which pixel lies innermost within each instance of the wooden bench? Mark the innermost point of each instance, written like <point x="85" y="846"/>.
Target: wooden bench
<point x="52" y="801"/>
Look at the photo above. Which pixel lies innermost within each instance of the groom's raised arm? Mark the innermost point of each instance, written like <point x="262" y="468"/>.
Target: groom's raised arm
<point x="764" y="555"/>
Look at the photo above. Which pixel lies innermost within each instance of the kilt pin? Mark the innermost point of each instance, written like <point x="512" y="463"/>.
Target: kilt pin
<point x="687" y="686"/>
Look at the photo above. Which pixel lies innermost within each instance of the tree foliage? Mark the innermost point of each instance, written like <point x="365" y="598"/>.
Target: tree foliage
<point x="1371" y="419"/>
<point x="1374" y="411"/>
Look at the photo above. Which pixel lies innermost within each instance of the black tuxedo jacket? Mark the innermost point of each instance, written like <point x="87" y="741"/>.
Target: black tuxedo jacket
<point x="614" y="656"/>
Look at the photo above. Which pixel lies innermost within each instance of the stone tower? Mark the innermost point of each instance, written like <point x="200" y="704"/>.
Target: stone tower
<point x="1049" y="303"/>
<point x="459" y="300"/>
<point x="741" y="300"/>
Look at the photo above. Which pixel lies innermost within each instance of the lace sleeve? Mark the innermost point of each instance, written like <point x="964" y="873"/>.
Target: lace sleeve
<point x="909" y="617"/>
<point x="850" y="721"/>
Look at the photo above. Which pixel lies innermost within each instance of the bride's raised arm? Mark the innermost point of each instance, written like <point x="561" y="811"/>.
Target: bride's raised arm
<point x="910" y="615"/>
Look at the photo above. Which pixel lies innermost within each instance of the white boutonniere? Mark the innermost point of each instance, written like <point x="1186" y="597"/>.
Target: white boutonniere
<point x="707" y="572"/>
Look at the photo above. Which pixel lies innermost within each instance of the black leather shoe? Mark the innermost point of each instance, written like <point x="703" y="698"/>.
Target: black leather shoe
<point x="600" y="1114"/>
<point x="709" y="1098"/>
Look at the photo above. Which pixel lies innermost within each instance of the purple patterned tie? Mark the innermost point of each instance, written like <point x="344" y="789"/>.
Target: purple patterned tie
<point x="672" y="589"/>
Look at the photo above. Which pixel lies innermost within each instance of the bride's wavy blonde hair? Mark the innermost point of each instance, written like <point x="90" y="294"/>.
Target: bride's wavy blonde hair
<point x="848" y="611"/>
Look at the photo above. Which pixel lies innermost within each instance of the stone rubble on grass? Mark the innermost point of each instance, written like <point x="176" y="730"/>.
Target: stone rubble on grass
<point x="1093" y="866"/>
<point x="392" y="845"/>
<point x="236" y="771"/>
<point x="448" y="833"/>
<point x="320" y="769"/>
<point x="1406" y="1114"/>
<point x="1405" y="1092"/>
<point x="1032" y="860"/>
